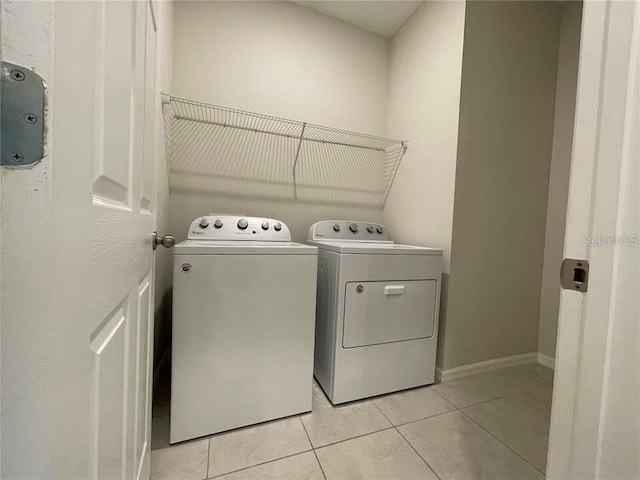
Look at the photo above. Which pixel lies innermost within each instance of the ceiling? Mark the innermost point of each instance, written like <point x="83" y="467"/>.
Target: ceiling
<point x="381" y="17"/>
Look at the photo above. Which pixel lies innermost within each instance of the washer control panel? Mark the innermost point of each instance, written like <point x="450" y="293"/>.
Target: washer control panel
<point x="235" y="227"/>
<point x="343" y="230"/>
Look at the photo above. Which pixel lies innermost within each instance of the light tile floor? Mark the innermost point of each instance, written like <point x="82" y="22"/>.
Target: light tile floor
<point x="488" y="426"/>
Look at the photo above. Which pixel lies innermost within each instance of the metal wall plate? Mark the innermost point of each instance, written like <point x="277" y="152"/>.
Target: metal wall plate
<point x="22" y="105"/>
<point x="574" y="274"/>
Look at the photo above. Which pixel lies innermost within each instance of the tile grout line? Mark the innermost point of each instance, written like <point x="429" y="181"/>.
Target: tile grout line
<point x="502" y="442"/>
<point x="515" y="392"/>
<point x="392" y="426"/>
<point x="353" y="438"/>
<point x="380" y="410"/>
<point x="418" y="453"/>
<point x="444" y="398"/>
<point x="460" y="409"/>
<point x="486" y="401"/>
<point x="319" y="464"/>
<point x="313" y="449"/>
<point x="408" y="442"/>
<point x="208" y="455"/>
<point x="425" y="418"/>
<point x="382" y="429"/>
<point x="258" y="464"/>
<point x="476" y="423"/>
<point x="369" y="400"/>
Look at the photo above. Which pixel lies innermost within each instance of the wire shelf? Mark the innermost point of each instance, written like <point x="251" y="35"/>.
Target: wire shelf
<point x="221" y="150"/>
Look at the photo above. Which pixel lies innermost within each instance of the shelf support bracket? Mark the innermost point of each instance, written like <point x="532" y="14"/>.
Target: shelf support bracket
<point x="295" y="162"/>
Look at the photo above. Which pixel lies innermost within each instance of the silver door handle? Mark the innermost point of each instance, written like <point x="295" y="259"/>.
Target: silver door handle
<point x="166" y="241"/>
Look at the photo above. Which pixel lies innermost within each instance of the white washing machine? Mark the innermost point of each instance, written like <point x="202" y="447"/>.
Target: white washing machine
<point x="243" y="325"/>
<point x="376" y="311"/>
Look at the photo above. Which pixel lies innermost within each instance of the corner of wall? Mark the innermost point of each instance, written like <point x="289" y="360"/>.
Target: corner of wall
<point x="565" y="102"/>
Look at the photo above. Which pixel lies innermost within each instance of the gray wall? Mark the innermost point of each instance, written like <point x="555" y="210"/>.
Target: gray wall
<point x="570" y="23"/>
<point x="502" y="179"/>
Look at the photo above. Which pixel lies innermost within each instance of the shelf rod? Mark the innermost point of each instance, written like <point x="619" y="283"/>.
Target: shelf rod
<point x="394" y="171"/>
<point x="295" y="162"/>
<point x="257" y="130"/>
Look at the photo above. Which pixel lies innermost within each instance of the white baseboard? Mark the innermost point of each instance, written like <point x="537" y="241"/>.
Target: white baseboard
<point x="488" y="366"/>
<point x="546" y="361"/>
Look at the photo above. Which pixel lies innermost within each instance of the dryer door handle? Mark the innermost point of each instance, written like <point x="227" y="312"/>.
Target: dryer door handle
<point x="394" y="290"/>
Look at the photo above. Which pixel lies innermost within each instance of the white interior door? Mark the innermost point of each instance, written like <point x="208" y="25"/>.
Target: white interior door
<point x="77" y="258"/>
<point x="595" y="424"/>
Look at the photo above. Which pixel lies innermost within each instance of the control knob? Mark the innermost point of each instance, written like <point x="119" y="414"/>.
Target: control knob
<point x="218" y="223"/>
<point x="380" y="230"/>
<point x="243" y="224"/>
<point x="265" y="225"/>
<point x="353" y="227"/>
<point x="336" y="227"/>
<point x="277" y="226"/>
<point x="204" y="222"/>
<point x="370" y="229"/>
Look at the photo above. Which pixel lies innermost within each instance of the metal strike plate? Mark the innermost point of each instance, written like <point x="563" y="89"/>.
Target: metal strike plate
<point x="574" y="274"/>
<point x="22" y="102"/>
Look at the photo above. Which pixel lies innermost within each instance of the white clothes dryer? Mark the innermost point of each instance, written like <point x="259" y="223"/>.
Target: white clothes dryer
<point x="243" y="325"/>
<point x="376" y="311"/>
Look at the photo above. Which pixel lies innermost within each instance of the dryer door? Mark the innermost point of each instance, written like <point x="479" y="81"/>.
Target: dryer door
<point x="391" y="311"/>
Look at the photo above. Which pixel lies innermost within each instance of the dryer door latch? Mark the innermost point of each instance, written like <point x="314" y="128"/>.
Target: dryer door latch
<point x="574" y="274"/>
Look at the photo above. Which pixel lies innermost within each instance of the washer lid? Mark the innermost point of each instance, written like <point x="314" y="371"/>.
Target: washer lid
<point x="375" y="248"/>
<point x="215" y="247"/>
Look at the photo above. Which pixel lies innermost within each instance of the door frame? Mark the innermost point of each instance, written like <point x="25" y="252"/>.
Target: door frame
<point x="609" y="38"/>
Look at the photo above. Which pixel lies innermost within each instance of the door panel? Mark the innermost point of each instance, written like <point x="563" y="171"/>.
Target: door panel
<point x="128" y="393"/>
<point x="114" y="99"/>
<point x="122" y="223"/>
<point x="109" y="351"/>
<point x="143" y="377"/>
<point x="150" y="109"/>
<point x="384" y="312"/>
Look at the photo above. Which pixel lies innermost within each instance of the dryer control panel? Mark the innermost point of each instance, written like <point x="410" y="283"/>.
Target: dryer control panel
<point x="345" y="230"/>
<point x="238" y="228"/>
